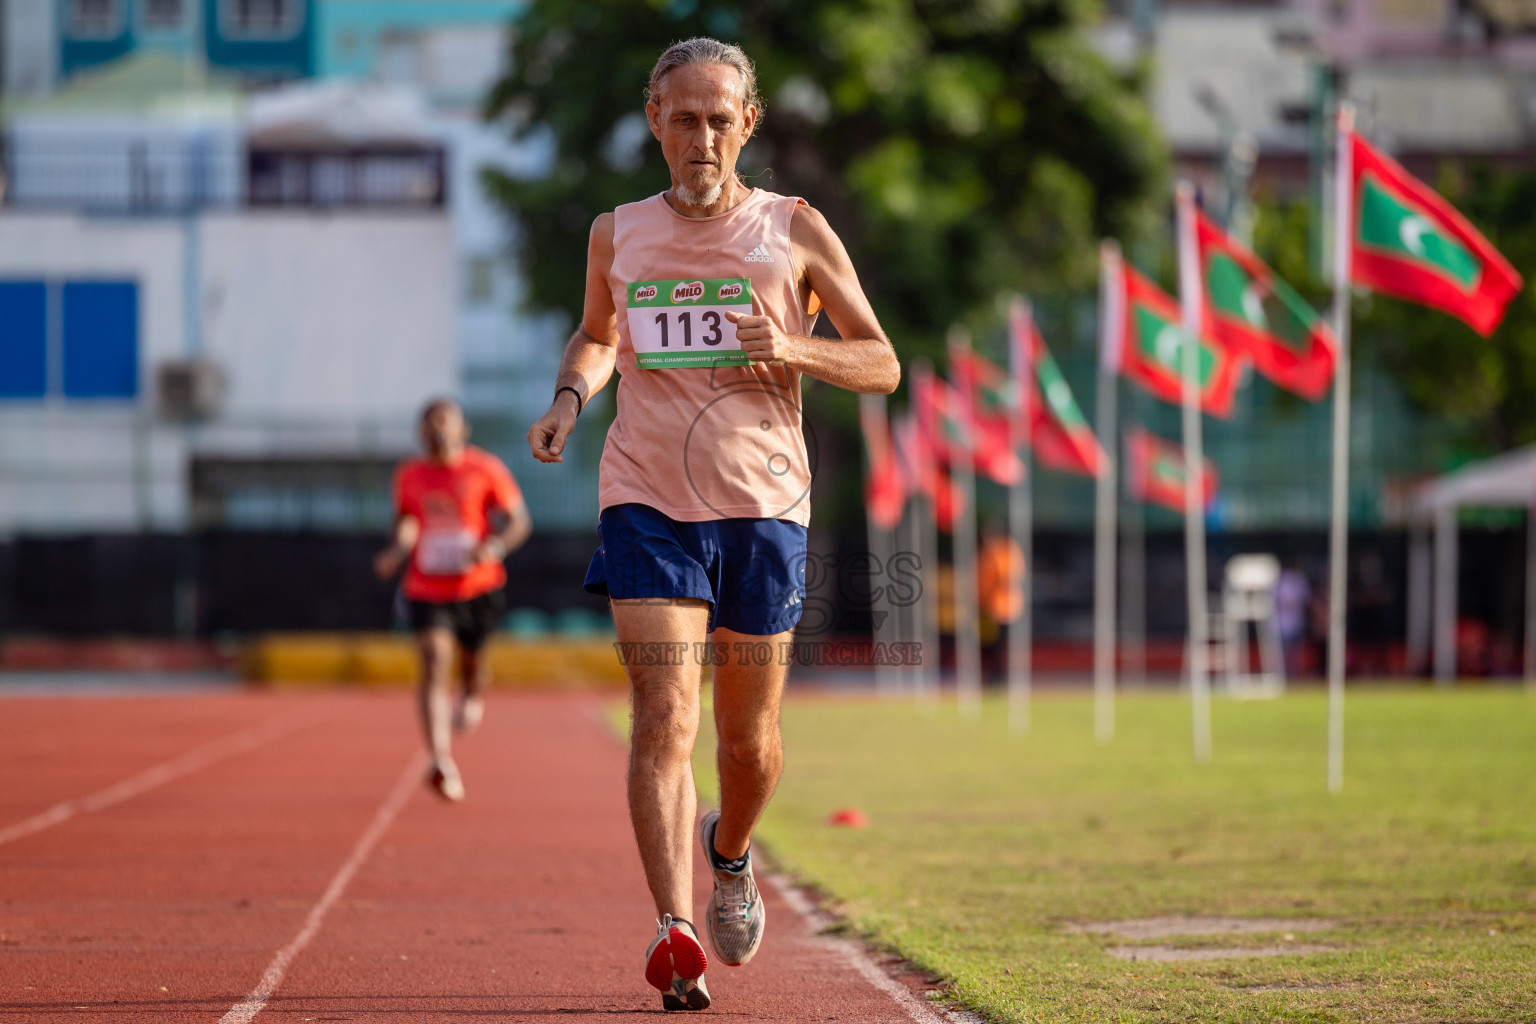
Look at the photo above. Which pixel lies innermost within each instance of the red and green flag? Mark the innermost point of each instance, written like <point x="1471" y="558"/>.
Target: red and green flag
<point x="1155" y="471"/>
<point x="1146" y="343"/>
<point x="990" y="443"/>
<point x="918" y="456"/>
<point x="885" y="490"/>
<point x="1250" y="310"/>
<point x="1058" y="433"/>
<point x="1409" y="242"/>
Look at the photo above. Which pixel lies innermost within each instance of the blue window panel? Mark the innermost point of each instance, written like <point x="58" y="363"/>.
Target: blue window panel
<point x="101" y="339"/>
<point x="23" y="339"/>
<point x="284" y="53"/>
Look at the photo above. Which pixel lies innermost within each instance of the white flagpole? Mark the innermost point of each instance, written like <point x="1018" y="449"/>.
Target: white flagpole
<point x="1194" y="472"/>
<point x="967" y="626"/>
<point x="1338" y="525"/>
<point x="909" y="614"/>
<point x="930" y="675"/>
<point x="1021" y="513"/>
<point x="1111" y="324"/>
<point x="926" y="530"/>
<point x="875" y="424"/>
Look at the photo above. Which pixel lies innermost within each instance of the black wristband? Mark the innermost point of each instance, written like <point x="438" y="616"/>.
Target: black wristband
<point x="574" y="392"/>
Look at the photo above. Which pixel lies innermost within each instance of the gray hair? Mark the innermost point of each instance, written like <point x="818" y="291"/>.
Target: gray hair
<point x="704" y="50"/>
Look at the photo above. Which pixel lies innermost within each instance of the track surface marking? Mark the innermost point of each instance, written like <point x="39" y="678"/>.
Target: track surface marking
<point x="246" y="1010"/>
<point x="525" y="902"/>
<point x="165" y="771"/>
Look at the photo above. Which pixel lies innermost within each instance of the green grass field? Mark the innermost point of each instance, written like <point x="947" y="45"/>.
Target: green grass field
<point x="984" y="848"/>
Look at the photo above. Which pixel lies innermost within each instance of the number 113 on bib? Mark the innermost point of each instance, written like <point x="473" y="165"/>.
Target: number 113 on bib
<point x="682" y="323"/>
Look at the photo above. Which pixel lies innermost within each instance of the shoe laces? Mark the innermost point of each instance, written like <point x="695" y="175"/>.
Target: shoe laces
<point x="737" y="894"/>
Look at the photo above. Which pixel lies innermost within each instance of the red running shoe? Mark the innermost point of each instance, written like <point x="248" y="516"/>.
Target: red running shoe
<point x="675" y="964"/>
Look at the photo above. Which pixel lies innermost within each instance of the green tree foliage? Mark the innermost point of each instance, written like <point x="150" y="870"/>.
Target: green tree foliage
<point x="960" y="149"/>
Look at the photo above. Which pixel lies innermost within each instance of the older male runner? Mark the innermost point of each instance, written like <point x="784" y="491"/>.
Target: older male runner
<point x="458" y="513"/>
<point x="704" y="297"/>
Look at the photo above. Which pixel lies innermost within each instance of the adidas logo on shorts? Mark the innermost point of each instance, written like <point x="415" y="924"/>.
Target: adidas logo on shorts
<point x="759" y="255"/>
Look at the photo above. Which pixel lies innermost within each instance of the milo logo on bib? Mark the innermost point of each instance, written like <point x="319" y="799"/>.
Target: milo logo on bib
<point x="681" y="324"/>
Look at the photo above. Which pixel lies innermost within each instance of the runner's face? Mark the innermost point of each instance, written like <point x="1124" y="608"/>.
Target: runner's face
<point x="444" y="432"/>
<point x="701" y="120"/>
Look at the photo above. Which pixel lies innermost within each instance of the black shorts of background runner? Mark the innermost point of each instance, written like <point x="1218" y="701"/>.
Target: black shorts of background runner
<point x="471" y="621"/>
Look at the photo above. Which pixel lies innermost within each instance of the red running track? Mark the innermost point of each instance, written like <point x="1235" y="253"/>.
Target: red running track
<point x="276" y="857"/>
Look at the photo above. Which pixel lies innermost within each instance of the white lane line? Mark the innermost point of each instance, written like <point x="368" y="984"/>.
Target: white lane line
<point x="246" y="1009"/>
<point x="865" y="966"/>
<point x="183" y="764"/>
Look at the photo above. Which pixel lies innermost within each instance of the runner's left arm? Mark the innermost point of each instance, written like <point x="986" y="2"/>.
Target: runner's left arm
<point x="513" y="527"/>
<point x="863" y="359"/>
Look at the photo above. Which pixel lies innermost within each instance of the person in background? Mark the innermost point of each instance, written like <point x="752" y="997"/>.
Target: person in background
<point x="1292" y="592"/>
<point x="458" y="514"/>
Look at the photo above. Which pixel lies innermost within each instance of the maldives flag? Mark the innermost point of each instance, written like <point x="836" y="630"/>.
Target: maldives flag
<point x="991" y="447"/>
<point x="1250" y="310"/>
<point x="1409" y="242"/>
<point x="1058" y="433"/>
<point x="885" y="490"/>
<point x="918" y="454"/>
<point x="1147" y="344"/>
<point x="1154" y="471"/>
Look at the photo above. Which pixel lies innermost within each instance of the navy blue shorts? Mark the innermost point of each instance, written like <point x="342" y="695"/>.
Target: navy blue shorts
<point x="751" y="571"/>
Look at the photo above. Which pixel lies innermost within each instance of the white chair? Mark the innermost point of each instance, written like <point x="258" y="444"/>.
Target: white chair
<point x="1248" y="596"/>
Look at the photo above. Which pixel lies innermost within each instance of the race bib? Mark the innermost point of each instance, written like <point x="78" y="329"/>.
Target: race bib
<point x="444" y="552"/>
<point x="682" y="323"/>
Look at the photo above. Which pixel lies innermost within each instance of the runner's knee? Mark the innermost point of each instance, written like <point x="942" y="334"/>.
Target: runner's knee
<point x="751" y="747"/>
<point x="666" y="722"/>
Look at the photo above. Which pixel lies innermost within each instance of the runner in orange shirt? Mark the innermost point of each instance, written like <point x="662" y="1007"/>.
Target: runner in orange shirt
<point x="458" y="513"/>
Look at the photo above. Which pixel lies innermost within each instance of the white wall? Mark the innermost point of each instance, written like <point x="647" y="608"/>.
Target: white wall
<point x="331" y="330"/>
<point x="339" y="316"/>
<point x="1238" y="55"/>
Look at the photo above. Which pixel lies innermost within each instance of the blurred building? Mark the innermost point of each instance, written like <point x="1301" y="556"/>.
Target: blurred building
<point x="283" y="198"/>
<point x="241" y="243"/>
<point x="1429" y="78"/>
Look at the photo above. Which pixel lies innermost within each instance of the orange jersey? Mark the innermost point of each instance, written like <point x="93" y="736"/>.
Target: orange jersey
<point x="453" y="504"/>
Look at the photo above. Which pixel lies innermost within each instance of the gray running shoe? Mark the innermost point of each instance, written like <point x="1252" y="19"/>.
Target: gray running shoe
<point x="675" y="965"/>
<point x="736" y="915"/>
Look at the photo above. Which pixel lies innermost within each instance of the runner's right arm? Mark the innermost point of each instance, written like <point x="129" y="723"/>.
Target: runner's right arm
<point x="589" y="355"/>
<point x="389" y="561"/>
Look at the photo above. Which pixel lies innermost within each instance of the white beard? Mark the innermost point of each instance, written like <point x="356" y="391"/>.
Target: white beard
<point x="708" y="197"/>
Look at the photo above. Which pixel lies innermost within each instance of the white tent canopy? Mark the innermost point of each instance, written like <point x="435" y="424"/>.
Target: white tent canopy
<point x="1504" y="481"/>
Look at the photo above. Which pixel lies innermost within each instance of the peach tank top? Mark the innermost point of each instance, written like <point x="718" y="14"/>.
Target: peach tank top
<point x="698" y="437"/>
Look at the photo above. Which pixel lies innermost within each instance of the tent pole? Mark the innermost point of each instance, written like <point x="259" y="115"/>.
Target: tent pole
<point x="1445" y="594"/>
<point x="1420" y="575"/>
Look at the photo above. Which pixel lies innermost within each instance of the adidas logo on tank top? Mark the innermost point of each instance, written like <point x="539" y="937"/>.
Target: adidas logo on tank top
<point x="759" y="255"/>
